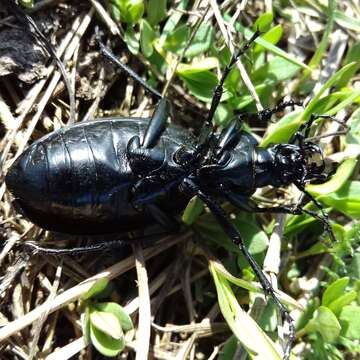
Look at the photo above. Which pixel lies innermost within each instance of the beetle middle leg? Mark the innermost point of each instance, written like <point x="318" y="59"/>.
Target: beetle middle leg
<point x="234" y="235"/>
<point x="207" y="131"/>
<point x="266" y="114"/>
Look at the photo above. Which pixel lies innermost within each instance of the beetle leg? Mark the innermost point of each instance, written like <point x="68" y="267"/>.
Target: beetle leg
<point x="303" y="132"/>
<point x="266" y="114"/>
<point x="246" y="204"/>
<point x="228" y="137"/>
<point x="208" y="128"/>
<point x="220" y="86"/>
<point x="98" y="247"/>
<point x="143" y="160"/>
<point x="76" y="250"/>
<point x="157" y="124"/>
<point x="234" y="235"/>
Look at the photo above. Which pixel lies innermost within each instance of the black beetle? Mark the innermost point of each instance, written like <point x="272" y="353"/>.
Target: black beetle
<point x="116" y="174"/>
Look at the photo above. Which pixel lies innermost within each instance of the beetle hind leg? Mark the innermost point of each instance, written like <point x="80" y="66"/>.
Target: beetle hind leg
<point x="234" y="235"/>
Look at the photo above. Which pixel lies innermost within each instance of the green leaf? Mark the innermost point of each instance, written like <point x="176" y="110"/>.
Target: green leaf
<point x="321" y="49"/>
<point x="118" y="311"/>
<point x="353" y="55"/>
<point x="96" y="289"/>
<point x="193" y="209"/>
<point x="350" y="322"/>
<point x="177" y="40"/>
<point x="346" y="199"/>
<point x="334" y="290"/>
<point x="196" y="67"/>
<point x="129" y="11"/>
<point x="27" y="3"/>
<point x="107" y="323"/>
<point x="354" y="267"/>
<point x="283" y="129"/>
<point x="105" y="344"/>
<point x="147" y="36"/>
<point x="256" y="238"/>
<point x="337" y="305"/>
<point x="131" y="40"/>
<point x="223" y="114"/>
<point x="338" y="76"/>
<point x="316" y="249"/>
<point x="200" y="84"/>
<point x="229" y="348"/>
<point x="263" y="22"/>
<point x="250" y="285"/>
<point x="172" y="21"/>
<point x="201" y="41"/>
<point x="156" y="11"/>
<point x="275" y="71"/>
<point x="342" y="174"/>
<point x="326" y="323"/>
<point x="273" y="36"/>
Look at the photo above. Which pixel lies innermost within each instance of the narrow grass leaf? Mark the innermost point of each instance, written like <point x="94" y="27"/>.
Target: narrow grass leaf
<point x="256" y="342"/>
<point x="351" y="23"/>
<point x="201" y="41"/>
<point x="193" y="209"/>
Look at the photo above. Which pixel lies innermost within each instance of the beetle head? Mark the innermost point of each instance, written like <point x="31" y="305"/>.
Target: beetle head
<point x="300" y="163"/>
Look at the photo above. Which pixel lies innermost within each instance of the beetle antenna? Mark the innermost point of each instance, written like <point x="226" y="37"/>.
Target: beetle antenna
<point x="113" y="59"/>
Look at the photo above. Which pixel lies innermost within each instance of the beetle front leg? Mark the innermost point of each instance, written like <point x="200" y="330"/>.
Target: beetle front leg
<point x="143" y="156"/>
<point x="157" y="124"/>
<point x="234" y="235"/>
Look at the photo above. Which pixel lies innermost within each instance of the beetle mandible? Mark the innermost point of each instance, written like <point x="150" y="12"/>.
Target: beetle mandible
<point x="114" y="174"/>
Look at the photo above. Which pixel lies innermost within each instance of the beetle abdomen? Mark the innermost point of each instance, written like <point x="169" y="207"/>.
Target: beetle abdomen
<point x="78" y="177"/>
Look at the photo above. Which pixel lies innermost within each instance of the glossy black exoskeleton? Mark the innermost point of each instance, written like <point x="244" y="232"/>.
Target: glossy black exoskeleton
<point x="116" y="174"/>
